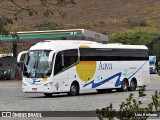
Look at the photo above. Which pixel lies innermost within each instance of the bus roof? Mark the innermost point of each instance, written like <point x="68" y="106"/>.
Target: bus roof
<point x="66" y="44"/>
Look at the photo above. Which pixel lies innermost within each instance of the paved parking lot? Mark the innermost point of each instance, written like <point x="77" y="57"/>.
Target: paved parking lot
<point x="12" y="98"/>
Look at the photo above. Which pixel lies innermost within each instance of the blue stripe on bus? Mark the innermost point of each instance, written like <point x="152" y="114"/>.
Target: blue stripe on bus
<point x="118" y="82"/>
<point x="94" y="85"/>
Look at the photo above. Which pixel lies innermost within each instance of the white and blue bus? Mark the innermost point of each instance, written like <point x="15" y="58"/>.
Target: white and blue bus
<point x="70" y="66"/>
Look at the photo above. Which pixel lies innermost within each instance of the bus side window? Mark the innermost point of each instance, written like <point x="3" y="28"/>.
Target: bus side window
<point x="58" y="63"/>
<point x="65" y="59"/>
<point x="70" y="57"/>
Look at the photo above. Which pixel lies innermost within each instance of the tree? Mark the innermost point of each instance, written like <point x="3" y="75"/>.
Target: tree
<point x="140" y="36"/>
<point x="13" y="10"/>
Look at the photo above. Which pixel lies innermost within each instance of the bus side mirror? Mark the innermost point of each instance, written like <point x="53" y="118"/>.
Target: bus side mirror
<point x="21" y="56"/>
<point x="50" y="56"/>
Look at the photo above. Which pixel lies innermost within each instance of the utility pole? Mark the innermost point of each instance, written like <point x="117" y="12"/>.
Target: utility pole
<point x="14" y="46"/>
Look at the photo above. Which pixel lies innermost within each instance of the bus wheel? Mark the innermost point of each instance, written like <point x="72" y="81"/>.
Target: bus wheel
<point x="124" y="86"/>
<point x="133" y="85"/>
<point x="48" y="94"/>
<point x="74" y="89"/>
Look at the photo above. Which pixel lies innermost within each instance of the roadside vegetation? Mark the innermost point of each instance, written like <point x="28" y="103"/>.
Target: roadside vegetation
<point x="132" y="108"/>
<point x="49" y="25"/>
<point x="139" y="36"/>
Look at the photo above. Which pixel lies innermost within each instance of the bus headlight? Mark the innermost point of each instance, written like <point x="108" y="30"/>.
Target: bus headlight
<point x="48" y="84"/>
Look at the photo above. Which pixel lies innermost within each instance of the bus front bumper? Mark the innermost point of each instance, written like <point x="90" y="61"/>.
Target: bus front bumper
<point x="37" y="89"/>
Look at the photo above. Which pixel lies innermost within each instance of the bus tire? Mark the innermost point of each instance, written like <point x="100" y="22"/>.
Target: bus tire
<point x="124" y="86"/>
<point x="133" y="85"/>
<point x="48" y="94"/>
<point x="74" y="89"/>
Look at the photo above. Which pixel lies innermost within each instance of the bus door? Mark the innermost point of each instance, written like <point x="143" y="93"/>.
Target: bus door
<point x="64" y="62"/>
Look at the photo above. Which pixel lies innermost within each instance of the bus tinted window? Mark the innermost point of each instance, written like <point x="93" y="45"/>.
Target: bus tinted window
<point x="112" y="54"/>
<point x="65" y="59"/>
<point x="58" y="63"/>
<point x="88" y="54"/>
<point x="70" y="57"/>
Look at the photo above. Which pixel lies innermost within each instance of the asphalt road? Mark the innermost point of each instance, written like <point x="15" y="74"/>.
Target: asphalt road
<point x="13" y="99"/>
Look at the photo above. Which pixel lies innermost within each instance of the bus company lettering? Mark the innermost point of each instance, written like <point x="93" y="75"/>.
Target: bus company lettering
<point x="105" y="66"/>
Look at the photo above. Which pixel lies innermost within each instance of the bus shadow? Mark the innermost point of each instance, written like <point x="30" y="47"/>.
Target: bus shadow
<point x="81" y="94"/>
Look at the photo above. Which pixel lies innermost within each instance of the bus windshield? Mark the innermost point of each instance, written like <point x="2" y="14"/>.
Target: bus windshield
<point x="36" y="64"/>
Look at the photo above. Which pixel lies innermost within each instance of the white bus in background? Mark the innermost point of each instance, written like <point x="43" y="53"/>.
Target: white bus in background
<point x="66" y="66"/>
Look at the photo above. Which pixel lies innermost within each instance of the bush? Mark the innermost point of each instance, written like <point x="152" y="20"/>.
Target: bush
<point x="143" y="36"/>
<point x="130" y="107"/>
<point x="49" y="26"/>
<point x="142" y="22"/>
<point x="137" y="22"/>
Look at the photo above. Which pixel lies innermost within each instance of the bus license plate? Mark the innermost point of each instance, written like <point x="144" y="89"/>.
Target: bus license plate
<point x="34" y="89"/>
